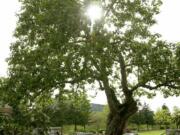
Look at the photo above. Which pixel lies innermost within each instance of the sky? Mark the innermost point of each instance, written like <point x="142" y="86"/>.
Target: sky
<point x="168" y="26"/>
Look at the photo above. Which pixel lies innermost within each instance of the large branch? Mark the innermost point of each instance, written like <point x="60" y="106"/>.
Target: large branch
<point x="104" y="85"/>
<point x="163" y="84"/>
<point x="126" y="91"/>
<point x="110" y="94"/>
<point x="160" y="85"/>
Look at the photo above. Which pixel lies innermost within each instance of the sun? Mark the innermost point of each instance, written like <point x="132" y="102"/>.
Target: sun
<point x="94" y="12"/>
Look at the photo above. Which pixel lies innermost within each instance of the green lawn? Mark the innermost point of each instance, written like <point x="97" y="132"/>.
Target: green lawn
<point x="157" y="132"/>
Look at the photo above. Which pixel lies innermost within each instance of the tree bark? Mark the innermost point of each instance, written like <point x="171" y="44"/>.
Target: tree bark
<point x="75" y="127"/>
<point x="116" y="122"/>
<point x="138" y="125"/>
<point x="119" y="112"/>
<point x="84" y="127"/>
<point x="147" y="126"/>
<point x="61" y="130"/>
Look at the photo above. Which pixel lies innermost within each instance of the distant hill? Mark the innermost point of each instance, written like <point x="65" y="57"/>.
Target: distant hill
<point x="97" y="107"/>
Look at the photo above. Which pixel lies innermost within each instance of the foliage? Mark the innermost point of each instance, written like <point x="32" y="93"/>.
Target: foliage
<point x="51" y="50"/>
<point x="55" y="48"/>
<point x="163" y="116"/>
<point x="26" y="115"/>
<point x="148" y="115"/>
<point x="176" y="116"/>
<point x="70" y="108"/>
<point x="143" y="116"/>
<point x="79" y="110"/>
<point x="137" y="119"/>
<point x="99" y="119"/>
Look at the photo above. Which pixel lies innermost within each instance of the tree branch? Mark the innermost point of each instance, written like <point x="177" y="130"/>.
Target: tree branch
<point x="160" y="85"/>
<point x="127" y="92"/>
<point x="109" y="91"/>
<point x="111" y="96"/>
<point x="164" y="84"/>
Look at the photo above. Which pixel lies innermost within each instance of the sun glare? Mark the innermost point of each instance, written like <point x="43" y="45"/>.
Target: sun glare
<point x="94" y="12"/>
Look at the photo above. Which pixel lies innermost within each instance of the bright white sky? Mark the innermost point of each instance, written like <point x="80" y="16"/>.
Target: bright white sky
<point x="168" y="26"/>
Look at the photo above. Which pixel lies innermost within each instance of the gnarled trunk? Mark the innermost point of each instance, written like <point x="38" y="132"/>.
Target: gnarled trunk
<point x="119" y="112"/>
<point x="115" y="125"/>
<point x="116" y="122"/>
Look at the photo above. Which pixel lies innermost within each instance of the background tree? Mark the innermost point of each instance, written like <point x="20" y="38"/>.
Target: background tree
<point x="56" y="46"/>
<point x="70" y="108"/>
<point x="176" y="117"/>
<point x="26" y="115"/>
<point x="143" y="116"/>
<point x="58" y="112"/>
<point x="163" y="116"/>
<point x="137" y="119"/>
<point x="148" y="116"/>
<point x="79" y="109"/>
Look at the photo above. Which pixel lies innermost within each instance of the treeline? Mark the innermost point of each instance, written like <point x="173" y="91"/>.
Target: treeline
<point x="161" y="119"/>
<point x="65" y="108"/>
<point x="71" y="109"/>
<point x="143" y="119"/>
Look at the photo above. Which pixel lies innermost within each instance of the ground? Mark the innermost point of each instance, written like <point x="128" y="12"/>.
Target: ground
<point x="157" y="132"/>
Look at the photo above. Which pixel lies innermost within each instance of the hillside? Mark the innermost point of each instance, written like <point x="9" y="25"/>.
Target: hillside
<point x="97" y="107"/>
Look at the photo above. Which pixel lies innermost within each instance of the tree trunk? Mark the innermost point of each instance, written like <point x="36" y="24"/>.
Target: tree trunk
<point x="138" y="125"/>
<point x="116" y="125"/>
<point x="61" y="130"/>
<point x="119" y="112"/>
<point x="116" y="122"/>
<point x="75" y="127"/>
<point x="152" y="127"/>
<point x="84" y="127"/>
<point x="147" y="126"/>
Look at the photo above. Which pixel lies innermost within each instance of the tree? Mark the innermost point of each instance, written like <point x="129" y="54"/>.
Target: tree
<point x="58" y="111"/>
<point x="143" y="116"/>
<point x="79" y="109"/>
<point x="137" y="119"/>
<point x="70" y="108"/>
<point x="176" y="116"/>
<point x="25" y="115"/>
<point x="163" y="116"/>
<point x="56" y="47"/>
<point x="148" y="116"/>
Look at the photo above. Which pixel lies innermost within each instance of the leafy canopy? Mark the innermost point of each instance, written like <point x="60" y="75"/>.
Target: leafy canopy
<point x="54" y="47"/>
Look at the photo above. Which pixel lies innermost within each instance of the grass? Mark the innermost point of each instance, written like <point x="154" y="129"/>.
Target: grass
<point x="68" y="130"/>
<point x="156" y="132"/>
